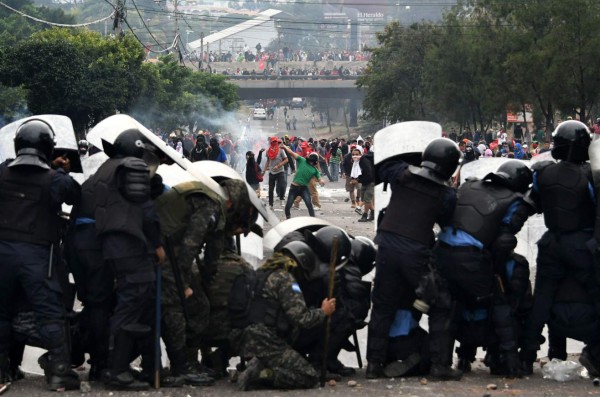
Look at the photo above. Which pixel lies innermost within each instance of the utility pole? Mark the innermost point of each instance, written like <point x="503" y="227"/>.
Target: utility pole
<point x="119" y="17"/>
<point x="201" y="50"/>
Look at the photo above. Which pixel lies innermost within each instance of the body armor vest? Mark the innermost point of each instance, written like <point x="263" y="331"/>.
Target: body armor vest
<point x="86" y="207"/>
<point x="415" y="206"/>
<point x="174" y="209"/>
<point x="564" y="191"/>
<point x="25" y="213"/>
<point x="114" y="213"/>
<point x="480" y="208"/>
<point x="268" y="311"/>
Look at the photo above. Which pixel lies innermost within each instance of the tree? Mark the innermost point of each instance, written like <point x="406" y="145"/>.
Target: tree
<point x="393" y="78"/>
<point x="75" y="73"/>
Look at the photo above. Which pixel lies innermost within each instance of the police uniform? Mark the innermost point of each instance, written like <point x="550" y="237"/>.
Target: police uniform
<point x="192" y="218"/>
<point x="404" y="238"/>
<point x="129" y="228"/>
<point x="30" y="203"/>
<point x="565" y="194"/>
<point x="487" y="215"/>
<point x="93" y="280"/>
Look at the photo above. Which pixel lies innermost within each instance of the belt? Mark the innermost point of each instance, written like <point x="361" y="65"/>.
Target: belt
<point x="462" y="248"/>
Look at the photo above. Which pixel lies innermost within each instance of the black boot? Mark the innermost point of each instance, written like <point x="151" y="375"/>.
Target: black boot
<point x="512" y="363"/>
<point x="120" y="376"/>
<point x="180" y="367"/>
<point x="60" y="376"/>
<point x="396" y="369"/>
<point x="371" y="216"/>
<point x="589" y="362"/>
<point x="4" y="370"/>
<point x="374" y="370"/>
<point x="443" y="372"/>
<point x="251" y="375"/>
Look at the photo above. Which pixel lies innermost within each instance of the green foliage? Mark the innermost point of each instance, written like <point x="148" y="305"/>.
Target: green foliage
<point x="487" y="57"/>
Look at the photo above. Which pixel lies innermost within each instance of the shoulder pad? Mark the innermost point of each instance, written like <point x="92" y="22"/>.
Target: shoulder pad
<point x="540" y="165"/>
<point x="134" y="163"/>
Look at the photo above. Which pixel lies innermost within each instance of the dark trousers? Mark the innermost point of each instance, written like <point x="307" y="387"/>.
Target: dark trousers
<point x="325" y="170"/>
<point x="469" y="275"/>
<point x="401" y="263"/>
<point x="24" y="267"/>
<point x="276" y="181"/>
<point x="559" y="256"/>
<point x="294" y="192"/>
<point x="135" y="292"/>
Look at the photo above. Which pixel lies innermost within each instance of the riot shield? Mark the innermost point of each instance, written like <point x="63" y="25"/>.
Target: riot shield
<point x="282" y="229"/>
<point x="64" y="136"/>
<point x="219" y="171"/>
<point x="109" y="129"/>
<point x="406" y="140"/>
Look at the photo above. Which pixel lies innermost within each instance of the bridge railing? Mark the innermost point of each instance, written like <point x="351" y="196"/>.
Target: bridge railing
<point x="291" y="77"/>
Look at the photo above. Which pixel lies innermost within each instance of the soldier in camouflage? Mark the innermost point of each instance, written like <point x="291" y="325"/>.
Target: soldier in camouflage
<point x="194" y="220"/>
<point x="274" y="363"/>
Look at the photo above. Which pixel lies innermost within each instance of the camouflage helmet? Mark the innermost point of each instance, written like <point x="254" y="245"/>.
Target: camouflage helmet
<point x="241" y="212"/>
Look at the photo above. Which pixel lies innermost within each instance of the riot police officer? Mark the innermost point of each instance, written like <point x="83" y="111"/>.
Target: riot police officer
<point x="480" y="235"/>
<point x="129" y="228"/>
<point x="420" y="198"/>
<point x="31" y="195"/>
<point x="565" y="194"/>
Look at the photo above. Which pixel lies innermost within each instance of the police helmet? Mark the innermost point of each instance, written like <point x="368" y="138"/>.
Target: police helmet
<point x="129" y="143"/>
<point x="516" y="175"/>
<point x="302" y="254"/>
<point x="363" y="254"/>
<point x="242" y="213"/>
<point x="83" y="143"/>
<point x="571" y="141"/>
<point x="439" y="161"/>
<point x="34" y="141"/>
<point x="321" y="242"/>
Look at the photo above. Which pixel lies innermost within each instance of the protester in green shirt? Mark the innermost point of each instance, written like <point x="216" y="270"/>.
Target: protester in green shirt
<point x="305" y="170"/>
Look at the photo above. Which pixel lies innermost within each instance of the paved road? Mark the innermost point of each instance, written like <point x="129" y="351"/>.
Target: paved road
<point x="339" y="212"/>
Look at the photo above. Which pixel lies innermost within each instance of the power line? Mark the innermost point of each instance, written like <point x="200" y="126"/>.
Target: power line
<point x="63" y="25"/>
<point x="146" y="26"/>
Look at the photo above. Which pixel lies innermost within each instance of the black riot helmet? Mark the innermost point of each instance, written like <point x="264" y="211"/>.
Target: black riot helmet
<point x="363" y="254"/>
<point x="571" y="141"/>
<point x="321" y="242"/>
<point x="515" y="175"/>
<point x="439" y="161"/>
<point x="34" y="143"/>
<point x="129" y="143"/>
<point x="303" y="255"/>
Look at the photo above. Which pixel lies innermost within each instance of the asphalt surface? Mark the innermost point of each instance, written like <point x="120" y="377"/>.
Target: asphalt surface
<point x="478" y="383"/>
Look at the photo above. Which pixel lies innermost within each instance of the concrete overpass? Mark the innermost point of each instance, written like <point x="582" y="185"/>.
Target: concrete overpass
<point x="260" y="87"/>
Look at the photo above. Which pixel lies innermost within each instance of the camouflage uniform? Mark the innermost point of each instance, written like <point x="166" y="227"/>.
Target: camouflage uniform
<point x="203" y="225"/>
<point x="290" y="369"/>
<point x="229" y="266"/>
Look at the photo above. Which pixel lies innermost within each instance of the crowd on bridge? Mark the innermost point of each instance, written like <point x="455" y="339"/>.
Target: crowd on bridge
<point x="285" y="54"/>
<point x="297" y="73"/>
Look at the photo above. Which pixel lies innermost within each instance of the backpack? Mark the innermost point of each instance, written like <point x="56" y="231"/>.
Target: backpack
<point x="247" y="306"/>
<point x="241" y="296"/>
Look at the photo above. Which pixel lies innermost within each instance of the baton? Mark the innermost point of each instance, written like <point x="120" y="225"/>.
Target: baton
<point x="332" y="261"/>
<point x="50" y="260"/>
<point x="157" y="361"/>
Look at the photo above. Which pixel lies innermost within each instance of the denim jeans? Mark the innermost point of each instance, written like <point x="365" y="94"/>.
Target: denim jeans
<point x="294" y="192"/>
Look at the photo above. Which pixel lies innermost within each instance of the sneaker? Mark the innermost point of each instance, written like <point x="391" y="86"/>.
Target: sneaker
<point x="295" y="208"/>
<point x="358" y="211"/>
<point x="317" y="208"/>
